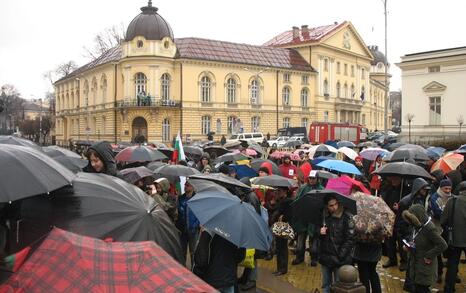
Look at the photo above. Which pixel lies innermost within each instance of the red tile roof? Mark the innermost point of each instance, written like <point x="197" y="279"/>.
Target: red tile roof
<point x="212" y="50"/>
<point x="314" y="34"/>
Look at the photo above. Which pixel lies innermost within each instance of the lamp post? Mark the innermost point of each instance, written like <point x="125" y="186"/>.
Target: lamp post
<point x="386" y="70"/>
<point x="410" y="118"/>
<point x="460" y="121"/>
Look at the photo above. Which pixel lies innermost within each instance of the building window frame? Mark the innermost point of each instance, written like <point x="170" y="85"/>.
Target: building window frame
<point x="433" y="69"/>
<point x="304" y="97"/>
<point x="286" y="96"/>
<point x="435" y="110"/>
<point x="255" y="89"/>
<point x="206" y="89"/>
<point x="166" y="129"/>
<point x="338" y="67"/>
<point x="140" y="82"/>
<point x="165" y="81"/>
<point x="286" y="77"/>
<point x="231" y="86"/>
<point x="255" y="123"/>
<point x="206" y="124"/>
<point x="286" y="122"/>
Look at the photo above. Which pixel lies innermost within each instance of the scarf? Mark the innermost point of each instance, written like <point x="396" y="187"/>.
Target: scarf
<point x="442" y="199"/>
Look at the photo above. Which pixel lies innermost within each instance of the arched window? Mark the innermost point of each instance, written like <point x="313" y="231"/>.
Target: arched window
<point x="345" y="91"/>
<point x="86" y="93"/>
<point x="94" y="91"/>
<point x="165" y="86"/>
<point x="286" y="122"/>
<point x="338" y="90"/>
<point x="103" y="85"/>
<point x="205" y="124"/>
<point x="304" y="97"/>
<point x="67" y="101"/>
<point x="206" y="86"/>
<point x="363" y="93"/>
<point x="255" y="92"/>
<point x="286" y="96"/>
<point x="352" y="91"/>
<point x="325" y="87"/>
<point x="255" y="123"/>
<point x="166" y="129"/>
<point x="231" y="90"/>
<point x="231" y="125"/>
<point x="140" y="81"/>
<point x="219" y="126"/>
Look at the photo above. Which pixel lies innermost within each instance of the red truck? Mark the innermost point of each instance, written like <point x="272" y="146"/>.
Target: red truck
<point x="320" y="132"/>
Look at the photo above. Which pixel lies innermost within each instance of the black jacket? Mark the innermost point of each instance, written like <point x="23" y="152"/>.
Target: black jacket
<point x="216" y="260"/>
<point x="104" y="150"/>
<point x="370" y="252"/>
<point x="337" y="246"/>
<point x="401" y="225"/>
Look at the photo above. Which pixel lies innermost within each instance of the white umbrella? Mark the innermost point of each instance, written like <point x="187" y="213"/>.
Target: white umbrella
<point x="348" y="152"/>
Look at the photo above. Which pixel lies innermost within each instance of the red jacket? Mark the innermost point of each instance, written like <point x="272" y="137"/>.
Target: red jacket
<point x="289" y="171"/>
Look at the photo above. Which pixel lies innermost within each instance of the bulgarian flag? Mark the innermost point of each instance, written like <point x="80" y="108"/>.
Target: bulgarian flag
<point x="178" y="155"/>
<point x="13" y="262"/>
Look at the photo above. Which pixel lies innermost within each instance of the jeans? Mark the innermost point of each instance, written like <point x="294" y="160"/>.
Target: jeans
<point x="329" y="276"/>
<point x="230" y="289"/>
<point x="454" y="254"/>
<point x="369" y="277"/>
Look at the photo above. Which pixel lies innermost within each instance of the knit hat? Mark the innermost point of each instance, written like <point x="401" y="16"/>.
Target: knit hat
<point x="445" y="182"/>
<point x="264" y="169"/>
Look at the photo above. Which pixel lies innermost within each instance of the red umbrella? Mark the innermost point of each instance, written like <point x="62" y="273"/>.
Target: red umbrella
<point x="67" y="262"/>
<point x="448" y="163"/>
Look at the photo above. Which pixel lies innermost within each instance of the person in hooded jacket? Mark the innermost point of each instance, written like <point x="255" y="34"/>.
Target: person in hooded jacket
<point x="101" y="160"/>
<point x="423" y="246"/>
<point x="162" y="186"/>
<point x="204" y="163"/>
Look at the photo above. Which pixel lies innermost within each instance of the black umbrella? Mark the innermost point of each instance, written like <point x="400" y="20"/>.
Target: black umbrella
<point x="216" y="151"/>
<point x="325" y="174"/>
<point x="274" y="181"/>
<point x="168" y="152"/>
<point x="309" y="207"/>
<point x="257" y="148"/>
<point x="56" y="151"/>
<point x="139" y="154"/>
<point x="75" y="165"/>
<point x="403" y="169"/>
<point x="366" y="144"/>
<point x="232" y="144"/>
<point x="257" y="163"/>
<point x="132" y="175"/>
<point x="159" y="145"/>
<point x="221" y="179"/>
<point x="26" y="172"/>
<point x="193" y="150"/>
<point x="403" y="155"/>
<point x="155" y="165"/>
<point x="101" y="206"/>
<point x="232" y="157"/>
<point x="176" y="171"/>
<point x="292" y="144"/>
<point x="393" y="146"/>
<point x="9" y="139"/>
<point x="411" y="146"/>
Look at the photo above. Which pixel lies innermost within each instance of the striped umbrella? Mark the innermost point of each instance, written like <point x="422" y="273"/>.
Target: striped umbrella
<point x="448" y="163"/>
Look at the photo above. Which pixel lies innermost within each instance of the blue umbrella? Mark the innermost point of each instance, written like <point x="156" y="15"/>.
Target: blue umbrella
<point x="435" y="152"/>
<point x="244" y="171"/>
<point x="317" y="160"/>
<point x="339" y="166"/>
<point x="226" y="215"/>
<point x="461" y="149"/>
<point x="345" y="143"/>
<point x="332" y="143"/>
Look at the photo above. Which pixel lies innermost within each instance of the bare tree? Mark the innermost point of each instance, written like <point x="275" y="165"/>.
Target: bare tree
<point x="60" y="71"/>
<point x="11" y="107"/>
<point x="105" y="40"/>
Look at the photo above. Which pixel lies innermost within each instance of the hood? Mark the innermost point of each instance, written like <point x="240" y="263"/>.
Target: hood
<point x="460" y="188"/>
<point x="164" y="183"/>
<point x="104" y="149"/>
<point x="267" y="165"/>
<point x="418" y="184"/>
<point x="205" y="156"/>
<point x="438" y="174"/>
<point x="455" y="178"/>
<point x="416" y="215"/>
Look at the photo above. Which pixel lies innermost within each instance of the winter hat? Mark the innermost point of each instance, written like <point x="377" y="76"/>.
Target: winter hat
<point x="445" y="182"/>
<point x="264" y="169"/>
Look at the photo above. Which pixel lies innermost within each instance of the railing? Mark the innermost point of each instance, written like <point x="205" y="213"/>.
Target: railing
<point x="148" y="102"/>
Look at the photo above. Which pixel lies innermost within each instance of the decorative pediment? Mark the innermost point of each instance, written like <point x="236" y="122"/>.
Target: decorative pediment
<point x="434" y="87"/>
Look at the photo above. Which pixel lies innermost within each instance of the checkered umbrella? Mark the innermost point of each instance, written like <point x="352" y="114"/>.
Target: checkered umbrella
<point x="67" y="262"/>
<point x="448" y="163"/>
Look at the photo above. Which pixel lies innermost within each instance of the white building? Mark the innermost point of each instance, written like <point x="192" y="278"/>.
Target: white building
<point x="434" y="94"/>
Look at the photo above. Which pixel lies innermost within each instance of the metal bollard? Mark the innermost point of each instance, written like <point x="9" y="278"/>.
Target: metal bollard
<point x="347" y="281"/>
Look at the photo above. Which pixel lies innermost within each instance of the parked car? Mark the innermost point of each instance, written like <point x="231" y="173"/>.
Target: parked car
<point x="255" y="136"/>
<point x="300" y="138"/>
<point x="278" y="142"/>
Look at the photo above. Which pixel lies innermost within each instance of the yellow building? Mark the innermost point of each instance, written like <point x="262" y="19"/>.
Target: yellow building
<point x="155" y="85"/>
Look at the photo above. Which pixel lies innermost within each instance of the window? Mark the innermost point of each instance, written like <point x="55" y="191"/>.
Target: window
<point x="304" y="97"/>
<point x="94" y="92"/>
<point x="338" y="68"/>
<point x="231" y="90"/>
<point x="346" y="69"/>
<point x="435" y="113"/>
<point x="140" y="81"/>
<point x="165" y="86"/>
<point x="86" y="94"/>
<point x="255" y="123"/>
<point x="104" y="89"/>
<point x="166" y="129"/>
<point x="219" y="126"/>
<point x="286" y="77"/>
<point x="363" y="118"/>
<point x="345" y="91"/>
<point x="286" y="96"/>
<point x="205" y="124"/>
<point x="205" y="89"/>
<point x="338" y="90"/>
<point x="326" y="116"/>
<point x="432" y="69"/>
<point x="305" y="79"/>
<point x="352" y="70"/>
<point x="286" y="122"/>
<point x="304" y="122"/>
<point x="363" y="73"/>
<point x="255" y="92"/>
<point x="140" y="44"/>
<point x="326" y="64"/>
<point x="363" y="93"/>
<point x="352" y="91"/>
<point x="231" y="125"/>
<point x="326" y="88"/>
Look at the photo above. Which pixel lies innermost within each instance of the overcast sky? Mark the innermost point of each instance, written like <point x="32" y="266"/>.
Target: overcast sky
<point x="36" y="36"/>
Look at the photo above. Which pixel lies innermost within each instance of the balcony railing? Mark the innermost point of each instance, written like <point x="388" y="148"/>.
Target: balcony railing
<point x="148" y="102"/>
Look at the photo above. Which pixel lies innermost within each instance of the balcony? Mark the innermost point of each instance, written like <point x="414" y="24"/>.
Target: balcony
<point x="147" y="102"/>
<point x="348" y="104"/>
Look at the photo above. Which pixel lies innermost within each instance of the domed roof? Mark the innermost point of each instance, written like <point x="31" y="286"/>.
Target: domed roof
<point x="378" y="56"/>
<point x="149" y="24"/>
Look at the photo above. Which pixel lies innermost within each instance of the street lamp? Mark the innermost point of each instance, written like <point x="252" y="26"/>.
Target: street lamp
<point x="460" y="121"/>
<point x="410" y="118"/>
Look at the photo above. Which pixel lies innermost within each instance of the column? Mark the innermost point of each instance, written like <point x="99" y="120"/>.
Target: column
<point x="127" y="84"/>
<point x="320" y="69"/>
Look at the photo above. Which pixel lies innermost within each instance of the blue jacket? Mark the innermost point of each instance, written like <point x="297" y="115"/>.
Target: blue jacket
<point x="187" y="221"/>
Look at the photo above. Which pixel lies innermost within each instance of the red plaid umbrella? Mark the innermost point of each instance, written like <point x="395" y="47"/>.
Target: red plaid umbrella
<point x="67" y="262"/>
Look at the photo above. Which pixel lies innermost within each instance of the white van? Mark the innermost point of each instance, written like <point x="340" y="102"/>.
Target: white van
<point x="255" y="136"/>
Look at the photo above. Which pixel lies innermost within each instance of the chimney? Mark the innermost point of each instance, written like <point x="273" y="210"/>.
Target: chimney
<point x="305" y="31"/>
<point x="295" y="32"/>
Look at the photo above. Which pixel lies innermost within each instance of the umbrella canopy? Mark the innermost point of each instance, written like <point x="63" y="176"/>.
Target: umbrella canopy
<point x="193" y="150"/>
<point x="231" y="157"/>
<point x="461" y="149"/>
<point x="220" y="179"/>
<point x="339" y="166"/>
<point x="435" y="152"/>
<point x="325" y="174"/>
<point x="372" y="153"/>
<point x="448" y="163"/>
<point x="139" y="154"/>
<point x="393" y="146"/>
<point x="77" y="263"/>
<point x="321" y="159"/>
<point x="154" y="165"/>
<point x="216" y="151"/>
<point x="366" y="144"/>
<point x="132" y="175"/>
<point x="75" y="165"/>
<point x="251" y="152"/>
<point x="292" y="144"/>
<point x="345" y="185"/>
<point x="243" y="171"/>
<point x="101" y="206"/>
<point x="14" y="140"/>
<point x="409" y="146"/>
<point x="350" y="153"/>
<point x="402" y="155"/>
<point x="257" y="163"/>
<point x="56" y="151"/>
<point x="158" y="145"/>
<point x="274" y="181"/>
<point x="257" y="148"/>
<point x="232" y="144"/>
<point x="27" y="172"/>
<point x="226" y="215"/>
<point x="310" y="206"/>
<point x="345" y="143"/>
<point x="176" y="170"/>
<point x="323" y="148"/>
<point x="168" y="152"/>
<point x="403" y="169"/>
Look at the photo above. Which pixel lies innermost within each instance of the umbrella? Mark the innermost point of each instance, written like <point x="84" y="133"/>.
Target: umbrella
<point x="277" y="155"/>
<point x="132" y="175"/>
<point x="402" y="155"/>
<point x="27" y="172"/>
<point x="461" y="149"/>
<point x="339" y="166"/>
<point x="14" y="140"/>
<point x="366" y="144"/>
<point x="176" y="170"/>
<point x="226" y="215"/>
<point x="372" y="153"/>
<point x="220" y="179"/>
<point x="323" y="148"/>
<point x="232" y="157"/>
<point x="292" y="144"/>
<point x="411" y="146"/>
<point x="309" y="207"/>
<point x="345" y="185"/>
<point x="232" y="144"/>
<point x="326" y="175"/>
<point x="251" y="152"/>
<point x="215" y="151"/>
<point x="139" y="154"/>
<point x="243" y="171"/>
<point x="345" y="143"/>
<point x="155" y="165"/>
<point x="350" y="153"/>
<point x="448" y="163"/>
<point x="331" y="143"/>
<point x="100" y="206"/>
<point x="435" y="152"/>
<point x="158" y="145"/>
<point x="393" y="146"/>
<point x="257" y="163"/>
<point x="403" y="169"/>
<point x="257" y="148"/>
<point x="321" y="159"/>
<point x="67" y="262"/>
<point x="274" y="181"/>
<point x="56" y="151"/>
<point x="168" y="152"/>
<point x="193" y="150"/>
<point x="75" y="165"/>
<point x="374" y="221"/>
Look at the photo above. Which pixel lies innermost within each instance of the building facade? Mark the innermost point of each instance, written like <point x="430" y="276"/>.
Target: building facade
<point x="433" y="94"/>
<point x="155" y="85"/>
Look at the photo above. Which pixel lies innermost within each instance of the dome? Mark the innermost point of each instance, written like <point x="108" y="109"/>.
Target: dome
<point x="149" y="24"/>
<point x="378" y="56"/>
